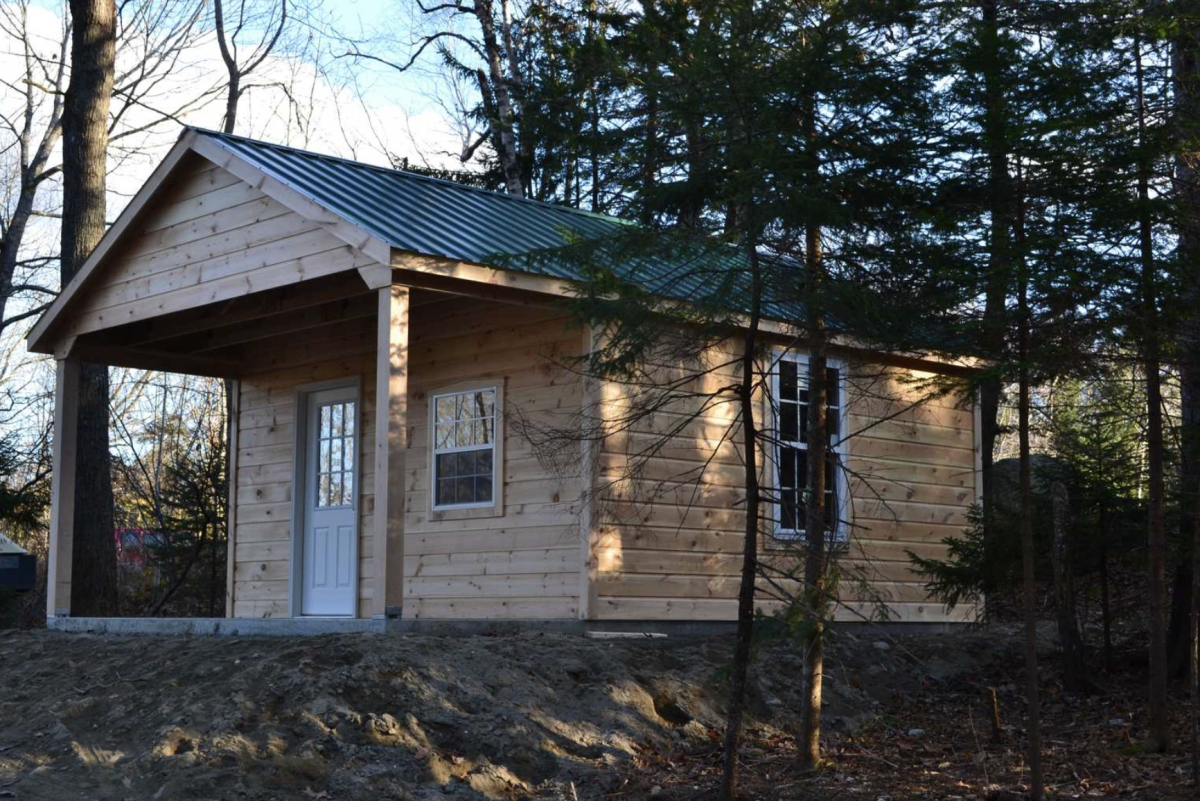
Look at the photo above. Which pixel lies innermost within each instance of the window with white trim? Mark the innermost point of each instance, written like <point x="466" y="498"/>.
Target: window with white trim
<point x="464" y="449"/>
<point x="791" y="457"/>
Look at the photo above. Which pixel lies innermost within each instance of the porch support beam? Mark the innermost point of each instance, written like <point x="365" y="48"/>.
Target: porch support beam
<point x="391" y="440"/>
<point x="236" y="312"/>
<point x="62" y="488"/>
<point x="457" y="286"/>
<point x="166" y="361"/>
<point x="338" y="311"/>
<point x="234" y="409"/>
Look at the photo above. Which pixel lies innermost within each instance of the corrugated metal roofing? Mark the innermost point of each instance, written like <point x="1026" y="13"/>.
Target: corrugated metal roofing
<point x="418" y="213"/>
<point x="431" y="216"/>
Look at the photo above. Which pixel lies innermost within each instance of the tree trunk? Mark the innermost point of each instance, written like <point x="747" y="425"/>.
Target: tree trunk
<point x="1029" y="580"/>
<point x="524" y="144"/>
<point x="85" y="143"/>
<point x="995" y="136"/>
<point x="229" y="123"/>
<point x="212" y="572"/>
<point x="233" y="92"/>
<point x="510" y="161"/>
<point x="1074" y="665"/>
<point x="1105" y="599"/>
<point x="745" y="620"/>
<point x="1159" y="738"/>
<point x="1194" y="651"/>
<point x="1185" y="65"/>
<point x="815" y="591"/>
<point x="1179" y="607"/>
<point x="233" y="97"/>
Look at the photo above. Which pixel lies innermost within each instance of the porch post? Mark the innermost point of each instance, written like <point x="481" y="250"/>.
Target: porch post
<point x="62" y="488"/>
<point x="391" y="440"/>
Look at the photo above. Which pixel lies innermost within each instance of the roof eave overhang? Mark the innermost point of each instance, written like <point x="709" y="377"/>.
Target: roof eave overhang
<point x="40" y="337"/>
<point x="391" y="265"/>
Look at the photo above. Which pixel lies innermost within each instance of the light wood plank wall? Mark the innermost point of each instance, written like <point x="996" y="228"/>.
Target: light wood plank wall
<point x="669" y="544"/>
<point x="211" y="237"/>
<point x="522" y="564"/>
<point x="526" y="562"/>
<point x="266" y="442"/>
<point x="208" y="237"/>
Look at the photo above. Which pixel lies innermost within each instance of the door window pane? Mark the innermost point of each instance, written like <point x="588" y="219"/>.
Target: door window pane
<point x="335" y="454"/>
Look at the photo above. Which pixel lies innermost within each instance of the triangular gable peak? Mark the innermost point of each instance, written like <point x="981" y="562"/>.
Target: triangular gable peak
<point x="206" y="227"/>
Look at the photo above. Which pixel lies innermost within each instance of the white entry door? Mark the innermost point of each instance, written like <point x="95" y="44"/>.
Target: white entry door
<point x="330" y="537"/>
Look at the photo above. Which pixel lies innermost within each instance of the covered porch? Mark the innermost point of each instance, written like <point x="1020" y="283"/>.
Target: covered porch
<point x="339" y="300"/>
<point x="335" y="341"/>
<point x="275" y="348"/>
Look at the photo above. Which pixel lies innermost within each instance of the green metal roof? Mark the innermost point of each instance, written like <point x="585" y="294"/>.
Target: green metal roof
<point x="418" y="213"/>
<point x="435" y="217"/>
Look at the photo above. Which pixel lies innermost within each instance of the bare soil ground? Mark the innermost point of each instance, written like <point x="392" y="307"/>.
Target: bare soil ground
<point x="539" y="716"/>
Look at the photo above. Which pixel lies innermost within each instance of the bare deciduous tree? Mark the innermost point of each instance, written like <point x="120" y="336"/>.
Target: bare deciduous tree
<point x="169" y="463"/>
<point x="154" y="37"/>
<point x="264" y="23"/>
<point x="496" y="73"/>
<point x="36" y="128"/>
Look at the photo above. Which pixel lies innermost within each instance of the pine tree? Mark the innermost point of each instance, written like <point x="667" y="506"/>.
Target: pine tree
<point x="782" y="134"/>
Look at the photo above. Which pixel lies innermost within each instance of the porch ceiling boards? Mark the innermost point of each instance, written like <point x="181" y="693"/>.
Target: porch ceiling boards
<point x="218" y="339"/>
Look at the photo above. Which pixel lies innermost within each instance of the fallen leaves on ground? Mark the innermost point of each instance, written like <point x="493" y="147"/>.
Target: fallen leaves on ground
<point x="934" y="741"/>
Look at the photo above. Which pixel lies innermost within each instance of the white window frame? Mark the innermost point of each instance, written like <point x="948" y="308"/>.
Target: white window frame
<point x="841" y="534"/>
<point x="497" y="447"/>
<point x="353" y="437"/>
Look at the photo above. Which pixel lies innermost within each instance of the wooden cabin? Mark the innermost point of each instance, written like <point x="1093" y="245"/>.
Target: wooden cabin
<point x="379" y="364"/>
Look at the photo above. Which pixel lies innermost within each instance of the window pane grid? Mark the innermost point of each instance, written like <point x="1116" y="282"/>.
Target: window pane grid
<point x="464" y="433"/>
<point x="335" y="454"/>
<point x="792" y="404"/>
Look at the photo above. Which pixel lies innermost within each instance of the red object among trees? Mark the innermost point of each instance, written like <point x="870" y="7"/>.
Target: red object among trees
<point x="132" y="544"/>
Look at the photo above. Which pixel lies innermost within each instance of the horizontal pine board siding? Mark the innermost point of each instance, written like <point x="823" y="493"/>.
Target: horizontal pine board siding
<point x="669" y="541"/>
<point x="208" y="238"/>
<point x="526" y="562"/>
<point x="266" y="437"/>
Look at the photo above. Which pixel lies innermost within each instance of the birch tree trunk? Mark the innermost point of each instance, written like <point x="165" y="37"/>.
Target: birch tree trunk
<point x="524" y="144"/>
<point x="510" y="162"/>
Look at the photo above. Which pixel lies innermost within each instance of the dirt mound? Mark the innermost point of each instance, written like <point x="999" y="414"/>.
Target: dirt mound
<point x="379" y="716"/>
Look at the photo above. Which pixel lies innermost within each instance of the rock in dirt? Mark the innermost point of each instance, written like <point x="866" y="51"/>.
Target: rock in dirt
<point x="575" y="669"/>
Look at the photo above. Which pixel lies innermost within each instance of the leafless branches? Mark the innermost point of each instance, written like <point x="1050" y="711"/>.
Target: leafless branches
<point x="264" y="23"/>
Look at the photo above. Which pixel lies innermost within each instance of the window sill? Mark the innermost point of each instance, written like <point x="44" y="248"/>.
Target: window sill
<point x="775" y="542"/>
<point x="469" y="513"/>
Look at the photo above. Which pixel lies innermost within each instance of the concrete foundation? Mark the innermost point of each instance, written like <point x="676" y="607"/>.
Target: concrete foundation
<point x="212" y="626"/>
<point x="307" y="627"/>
